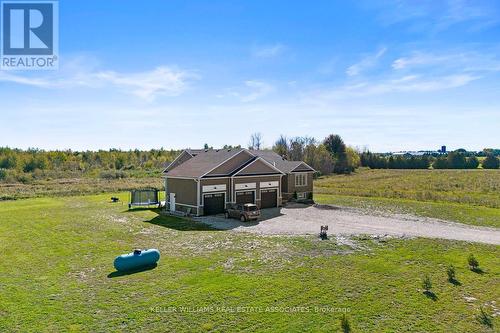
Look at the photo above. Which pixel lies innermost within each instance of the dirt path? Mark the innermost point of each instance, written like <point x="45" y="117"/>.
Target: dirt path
<point x="302" y="220"/>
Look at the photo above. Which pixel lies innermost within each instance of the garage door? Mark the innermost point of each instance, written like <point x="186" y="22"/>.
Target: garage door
<point x="213" y="203"/>
<point x="245" y="197"/>
<point x="268" y="198"/>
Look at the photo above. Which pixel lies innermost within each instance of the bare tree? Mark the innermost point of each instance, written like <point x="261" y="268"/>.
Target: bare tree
<point x="255" y="141"/>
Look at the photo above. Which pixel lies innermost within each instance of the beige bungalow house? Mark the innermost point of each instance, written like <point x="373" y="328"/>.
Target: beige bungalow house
<point x="206" y="181"/>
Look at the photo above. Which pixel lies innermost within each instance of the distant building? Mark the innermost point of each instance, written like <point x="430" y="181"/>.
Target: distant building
<point x="419" y="153"/>
<point x="410" y="153"/>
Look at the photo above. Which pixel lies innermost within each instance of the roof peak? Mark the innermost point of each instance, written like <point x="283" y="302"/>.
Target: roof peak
<point x="206" y="150"/>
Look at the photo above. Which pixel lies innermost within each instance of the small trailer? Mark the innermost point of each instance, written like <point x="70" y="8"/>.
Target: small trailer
<point x="144" y="197"/>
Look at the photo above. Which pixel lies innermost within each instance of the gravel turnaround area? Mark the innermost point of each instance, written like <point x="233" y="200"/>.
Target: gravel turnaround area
<point x="297" y="219"/>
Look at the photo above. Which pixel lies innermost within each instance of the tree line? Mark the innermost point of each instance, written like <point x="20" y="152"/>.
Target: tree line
<point x="377" y="161"/>
<point x="17" y="165"/>
<point x="329" y="156"/>
<point x="453" y="160"/>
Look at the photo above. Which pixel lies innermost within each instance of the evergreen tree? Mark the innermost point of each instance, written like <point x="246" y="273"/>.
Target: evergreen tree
<point x="440" y="163"/>
<point x="281" y="146"/>
<point x="334" y="144"/>
<point x="456" y="160"/>
<point x="491" y="162"/>
<point x="472" y="162"/>
<point x="337" y="148"/>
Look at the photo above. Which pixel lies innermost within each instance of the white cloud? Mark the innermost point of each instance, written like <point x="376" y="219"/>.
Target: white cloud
<point x="268" y="51"/>
<point x="260" y="89"/>
<point x="404" y="84"/>
<point x="416" y="84"/>
<point x="162" y="81"/>
<point x="459" y="11"/>
<point x="459" y="59"/>
<point x="252" y="91"/>
<point x="435" y="16"/>
<point x="30" y="81"/>
<point x="148" y="85"/>
<point x="367" y="62"/>
<point x="417" y="59"/>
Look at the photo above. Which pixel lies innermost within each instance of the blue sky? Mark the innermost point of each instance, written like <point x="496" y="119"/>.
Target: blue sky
<point x="388" y="75"/>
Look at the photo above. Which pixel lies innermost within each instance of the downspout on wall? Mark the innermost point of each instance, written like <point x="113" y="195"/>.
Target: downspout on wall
<point x="166" y="194"/>
<point x="231" y="189"/>
<point x="197" y="196"/>
<point x="280" y="194"/>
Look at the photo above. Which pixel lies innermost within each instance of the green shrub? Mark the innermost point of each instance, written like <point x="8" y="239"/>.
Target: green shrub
<point x="473" y="263"/>
<point x="484" y="318"/>
<point x="23" y="177"/>
<point x="38" y="174"/>
<point x="3" y="174"/>
<point x="450" y="271"/>
<point x="344" y="324"/>
<point x="111" y="174"/>
<point x="8" y="162"/>
<point x="427" y="283"/>
<point x="9" y="176"/>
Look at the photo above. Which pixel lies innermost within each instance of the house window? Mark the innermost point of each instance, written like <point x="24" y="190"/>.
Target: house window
<point x="300" y="179"/>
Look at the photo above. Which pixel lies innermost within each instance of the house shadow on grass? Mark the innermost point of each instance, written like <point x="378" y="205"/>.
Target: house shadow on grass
<point x="180" y="224"/>
<point x="207" y="223"/>
<point x="135" y="271"/>
<point x="430" y="295"/>
<point x="173" y="222"/>
<point x="141" y="209"/>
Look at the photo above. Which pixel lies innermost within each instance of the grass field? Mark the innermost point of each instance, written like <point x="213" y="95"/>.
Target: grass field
<point x="466" y="196"/>
<point x="57" y="275"/>
<point x="74" y="186"/>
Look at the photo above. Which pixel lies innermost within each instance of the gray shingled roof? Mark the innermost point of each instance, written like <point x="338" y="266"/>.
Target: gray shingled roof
<point x="195" y="152"/>
<point x="276" y="160"/>
<point x="205" y="160"/>
<point x="202" y="162"/>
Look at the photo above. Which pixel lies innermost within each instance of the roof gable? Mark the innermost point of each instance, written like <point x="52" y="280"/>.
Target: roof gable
<point x="303" y="167"/>
<point x="204" y="162"/>
<point x="259" y="166"/>
<point x="181" y="158"/>
<point x="230" y="165"/>
<point x="282" y="164"/>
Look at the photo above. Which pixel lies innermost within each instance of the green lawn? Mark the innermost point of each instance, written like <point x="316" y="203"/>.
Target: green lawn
<point x="466" y="196"/>
<point x="57" y="275"/>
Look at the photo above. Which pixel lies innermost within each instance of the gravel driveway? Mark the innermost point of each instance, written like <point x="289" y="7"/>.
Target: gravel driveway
<point x="303" y="220"/>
